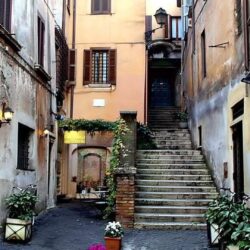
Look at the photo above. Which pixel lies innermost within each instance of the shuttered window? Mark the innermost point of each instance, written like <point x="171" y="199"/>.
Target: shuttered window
<point x="100" y="6"/>
<point x="24" y="135"/>
<point x="72" y="65"/>
<point x="99" y="66"/>
<point x="40" y="39"/>
<point x="5" y="14"/>
<point x="203" y="55"/>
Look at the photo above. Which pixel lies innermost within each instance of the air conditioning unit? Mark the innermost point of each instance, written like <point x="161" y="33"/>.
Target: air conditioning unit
<point x="189" y="22"/>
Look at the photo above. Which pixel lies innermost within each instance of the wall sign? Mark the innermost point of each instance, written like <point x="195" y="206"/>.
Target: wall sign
<point x="74" y="137"/>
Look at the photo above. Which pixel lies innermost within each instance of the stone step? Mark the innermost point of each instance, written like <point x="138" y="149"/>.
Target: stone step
<point x="169" y="157"/>
<point x="172" y="202"/>
<point x="169" y="161"/>
<point x="164" y="126"/>
<point x="164" y="131"/>
<point x="157" y="217"/>
<point x="173" y="142"/>
<point x="174" y="147"/>
<point x="167" y="135"/>
<point x="204" y="177"/>
<point x="171" y="225"/>
<point x="171" y="209"/>
<point x="173" y="183"/>
<point x="170" y="166"/>
<point x="189" y="189"/>
<point x="168" y="152"/>
<point x="173" y="171"/>
<point x="176" y="195"/>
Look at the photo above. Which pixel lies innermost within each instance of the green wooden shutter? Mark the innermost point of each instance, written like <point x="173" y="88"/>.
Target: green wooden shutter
<point x="86" y="67"/>
<point x="72" y="65"/>
<point x="112" y="66"/>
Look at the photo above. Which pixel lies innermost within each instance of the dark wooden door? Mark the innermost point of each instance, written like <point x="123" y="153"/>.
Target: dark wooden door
<point x="161" y="92"/>
<point x="238" y="174"/>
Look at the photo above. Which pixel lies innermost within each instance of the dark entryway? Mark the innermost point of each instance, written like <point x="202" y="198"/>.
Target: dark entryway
<point x="238" y="174"/>
<point x="161" y="88"/>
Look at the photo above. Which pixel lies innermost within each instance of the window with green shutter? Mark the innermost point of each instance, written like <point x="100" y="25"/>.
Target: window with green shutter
<point x="99" y="66"/>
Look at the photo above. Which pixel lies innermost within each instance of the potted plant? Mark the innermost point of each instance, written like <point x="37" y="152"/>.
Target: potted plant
<point x="240" y="238"/>
<point x="20" y="214"/>
<point x="215" y="216"/>
<point x="113" y="236"/>
<point x="228" y="223"/>
<point x="183" y="118"/>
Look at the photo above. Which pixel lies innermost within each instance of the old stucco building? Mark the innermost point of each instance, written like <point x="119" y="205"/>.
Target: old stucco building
<point x="28" y="84"/>
<point x="114" y="68"/>
<point x="215" y="60"/>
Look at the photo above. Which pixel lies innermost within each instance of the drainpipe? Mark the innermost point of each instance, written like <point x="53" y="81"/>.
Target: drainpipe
<point x="73" y="47"/>
<point x="63" y="17"/>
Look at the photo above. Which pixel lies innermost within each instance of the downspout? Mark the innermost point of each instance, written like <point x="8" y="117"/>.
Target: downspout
<point x="63" y="17"/>
<point x="73" y="47"/>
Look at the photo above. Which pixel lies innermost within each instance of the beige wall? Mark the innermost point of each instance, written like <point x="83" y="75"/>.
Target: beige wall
<point x="123" y="30"/>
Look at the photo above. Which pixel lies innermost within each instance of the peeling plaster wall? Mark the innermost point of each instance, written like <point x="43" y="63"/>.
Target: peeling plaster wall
<point x="31" y="103"/>
<point x="212" y="117"/>
<point x="210" y="99"/>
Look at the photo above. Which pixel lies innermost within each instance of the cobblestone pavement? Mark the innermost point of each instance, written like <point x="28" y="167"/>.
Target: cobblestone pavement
<point x="76" y="225"/>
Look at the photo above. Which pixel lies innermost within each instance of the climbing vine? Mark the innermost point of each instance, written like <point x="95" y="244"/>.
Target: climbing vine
<point x="119" y="129"/>
<point x="118" y="149"/>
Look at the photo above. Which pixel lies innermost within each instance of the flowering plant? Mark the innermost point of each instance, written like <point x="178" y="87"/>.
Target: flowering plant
<point x="97" y="246"/>
<point x="114" y="229"/>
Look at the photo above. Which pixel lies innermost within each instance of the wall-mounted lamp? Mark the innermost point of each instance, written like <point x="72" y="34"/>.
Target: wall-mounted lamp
<point x="161" y="18"/>
<point x="246" y="79"/>
<point x="6" y="114"/>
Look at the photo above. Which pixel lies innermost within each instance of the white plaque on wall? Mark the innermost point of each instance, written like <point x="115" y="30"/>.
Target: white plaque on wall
<point x="98" y="102"/>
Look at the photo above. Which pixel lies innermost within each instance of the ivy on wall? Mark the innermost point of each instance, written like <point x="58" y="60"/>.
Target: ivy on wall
<point x="90" y="126"/>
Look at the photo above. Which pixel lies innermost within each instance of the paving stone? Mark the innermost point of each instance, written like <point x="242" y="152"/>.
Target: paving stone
<point x="75" y="226"/>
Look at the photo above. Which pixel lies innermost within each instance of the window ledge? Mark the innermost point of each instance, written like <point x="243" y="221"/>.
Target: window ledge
<point x="41" y="72"/>
<point x="99" y="85"/>
<point x="26" y="170"/>
<point x="12" y="42"/>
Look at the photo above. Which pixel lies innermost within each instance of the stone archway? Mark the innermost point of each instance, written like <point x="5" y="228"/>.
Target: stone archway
<point x="91" y="169"/>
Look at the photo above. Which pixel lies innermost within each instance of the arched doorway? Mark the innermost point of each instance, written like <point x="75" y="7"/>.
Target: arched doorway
<point x="164" y="60"/>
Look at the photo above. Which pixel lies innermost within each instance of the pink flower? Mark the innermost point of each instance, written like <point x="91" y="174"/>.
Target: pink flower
<point x="97" y="246"/>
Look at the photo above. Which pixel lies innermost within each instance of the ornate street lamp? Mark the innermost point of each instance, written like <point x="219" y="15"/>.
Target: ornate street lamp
<point x="161" y="19"/>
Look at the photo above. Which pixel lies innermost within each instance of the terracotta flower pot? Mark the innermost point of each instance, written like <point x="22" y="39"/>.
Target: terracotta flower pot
<point x="113" y="243"/>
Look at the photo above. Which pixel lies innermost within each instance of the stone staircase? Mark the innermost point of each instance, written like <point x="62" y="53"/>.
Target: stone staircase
<point x="173" y="184"/>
